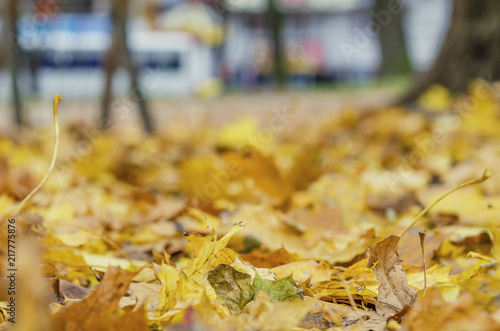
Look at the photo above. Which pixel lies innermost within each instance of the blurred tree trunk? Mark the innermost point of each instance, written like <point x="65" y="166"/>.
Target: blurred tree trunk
<point x="219" y="7"/>
<point x="388" y="15"/>
<point x="117" y="54"/>
<point x="11" y="50"/>
<point x="471" y="49"/>
<point x="275" y="25"/>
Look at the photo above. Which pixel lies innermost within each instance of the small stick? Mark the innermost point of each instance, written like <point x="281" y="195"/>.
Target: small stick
<point x="484" y="177"/>
<point x="57" y="99"/>
<point x="421" y="235"/>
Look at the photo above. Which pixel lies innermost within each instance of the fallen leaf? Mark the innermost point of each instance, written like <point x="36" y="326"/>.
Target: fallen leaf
<point x="409" y="247"/>
<point x="263" y="314"/>
<point x="65" y="290"/>
<point x="279" y="290"/>
<point x="301" y="271"/>
<point x="189" y="281"/>
<point x="96" y="311"/>
<point x="234" y="288"/>
<point x="394" y="293"/>
<point x="435" y="275"/>
<point x="271" y="259"/>
<point x="142" y="294"/>
<point x="334" y="291"/>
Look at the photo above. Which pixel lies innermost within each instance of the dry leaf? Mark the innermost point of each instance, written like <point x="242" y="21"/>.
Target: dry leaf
<point x="99" y="309"/>
<point x="234" y="288"/>
<point x="284" y="289"/>
<point x="394" y="293"/>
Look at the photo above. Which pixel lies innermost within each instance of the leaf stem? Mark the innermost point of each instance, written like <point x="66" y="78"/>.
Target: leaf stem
<point x="483" y="178"/>
<point x="57" y="99"/>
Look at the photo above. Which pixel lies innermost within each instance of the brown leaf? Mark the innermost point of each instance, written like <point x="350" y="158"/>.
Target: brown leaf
<point x="321" y="220"/>
<point x="394" y="293"/>
<point x="271" y="259"/>
<point x="316" y="320"/>
<point x="409" y="248"/>
<point x="142" y="294"/>
<point x="63" y="290"/>
<point x="398" y="202"/>
<point x="15" y="182"/>
<point x="97" y="310"/>
<point x="106" y="296"/>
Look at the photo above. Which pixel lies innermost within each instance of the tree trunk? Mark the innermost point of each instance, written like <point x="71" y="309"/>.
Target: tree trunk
<point x="275" y="24"/>
<point x="387" y="16"/>
<point x="10" y="47"/>
<point x="470" y="50"/>
<point x="120" y="53"/>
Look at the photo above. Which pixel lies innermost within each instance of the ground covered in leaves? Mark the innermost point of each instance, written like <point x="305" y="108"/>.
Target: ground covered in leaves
<point x="268" y="223"/>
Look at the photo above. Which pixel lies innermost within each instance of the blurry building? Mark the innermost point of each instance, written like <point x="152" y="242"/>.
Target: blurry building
<point x="326" y="40"/>
<point x="63" y="51"/>
<point x="181" y="44"/>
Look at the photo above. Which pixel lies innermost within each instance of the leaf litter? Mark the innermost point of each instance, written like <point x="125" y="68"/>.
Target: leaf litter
<point x="319" y="223"/>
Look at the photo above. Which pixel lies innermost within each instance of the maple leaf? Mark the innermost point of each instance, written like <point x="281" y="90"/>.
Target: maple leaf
<point x="98" y="309"/>
<point x="188" y="282"/>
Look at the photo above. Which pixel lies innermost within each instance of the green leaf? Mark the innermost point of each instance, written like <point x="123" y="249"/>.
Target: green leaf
<point x="283" y="289"/>
<point x="234" y="288"/>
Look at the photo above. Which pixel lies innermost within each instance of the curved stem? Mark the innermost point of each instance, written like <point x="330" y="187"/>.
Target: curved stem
<point x="57" y="99"/>
<point x="484" y="177"/>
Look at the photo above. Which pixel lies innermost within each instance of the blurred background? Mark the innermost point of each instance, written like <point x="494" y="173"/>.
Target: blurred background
<point x="185" y="45"/>
<point x="164" y="49"/>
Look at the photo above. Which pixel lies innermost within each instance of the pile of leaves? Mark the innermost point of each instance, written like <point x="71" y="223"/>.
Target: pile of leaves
<point x="124" y="234"/>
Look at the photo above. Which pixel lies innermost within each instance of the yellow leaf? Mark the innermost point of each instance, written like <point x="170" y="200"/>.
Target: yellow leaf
<point x="210" y="255"/>
<point x="336" y="290"/>
<point x="435" y="275"/>
<point x="105" y="261"/>
<point x="237" y="134"/>
<point x="168" y="276"/>
<point x="436" y="98"/>
<point x="263" y="273"/>
<point x="61" y="255"/>
<point x="303" y="270"/>
<point x="189" y="283"/>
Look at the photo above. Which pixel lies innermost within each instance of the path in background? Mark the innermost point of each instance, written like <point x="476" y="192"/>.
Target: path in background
<point x="193" y="112"/>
